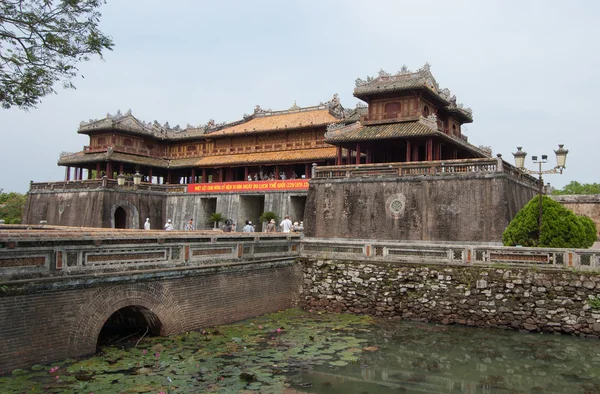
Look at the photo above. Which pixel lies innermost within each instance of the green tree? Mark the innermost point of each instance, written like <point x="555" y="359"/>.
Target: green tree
<point x="578" y="188"/>
<point x="11" y="207"/>
<point x="41" y="42"/>
<point x="561" y="228"/>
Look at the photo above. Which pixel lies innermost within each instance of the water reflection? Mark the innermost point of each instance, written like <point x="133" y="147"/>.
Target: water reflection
<point x="417" y="357"/>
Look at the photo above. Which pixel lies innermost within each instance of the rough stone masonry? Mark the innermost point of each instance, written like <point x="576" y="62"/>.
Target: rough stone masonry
<point x="561" y="301"/>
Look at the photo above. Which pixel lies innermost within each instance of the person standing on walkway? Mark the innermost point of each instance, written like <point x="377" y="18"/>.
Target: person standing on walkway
<point x="286" y="224"/>
<point x="169" y="225"/>
<point x="248" y="228"/>
<point x="271" y="227"/>
<point x="190" y="225"/>
<point x="147" y="224"/>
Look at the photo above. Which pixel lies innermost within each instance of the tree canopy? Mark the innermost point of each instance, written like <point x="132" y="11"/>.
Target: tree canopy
<point x="561" y="228"/>
<point x="578" y="188"/>
<point x="41" y="42"/>
<point x="11" y="207"/>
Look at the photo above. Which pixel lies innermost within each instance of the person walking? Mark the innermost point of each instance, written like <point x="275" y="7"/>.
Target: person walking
<point x="271" y="227"/>
<point x="169" y="225"/>
<point x="147" y="224"/>
<point x="286" y="224"/>
<point x="190" y="225"/>
<point x="248" y="228"/>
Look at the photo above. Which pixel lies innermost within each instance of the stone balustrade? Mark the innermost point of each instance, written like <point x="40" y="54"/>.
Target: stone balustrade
<point x="55" y="252"/>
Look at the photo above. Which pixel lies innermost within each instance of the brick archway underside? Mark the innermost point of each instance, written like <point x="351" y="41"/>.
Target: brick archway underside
<point x="107" y="300"/>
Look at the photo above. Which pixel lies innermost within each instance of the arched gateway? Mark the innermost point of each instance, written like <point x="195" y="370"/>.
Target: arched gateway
<point x="151" y="303"/>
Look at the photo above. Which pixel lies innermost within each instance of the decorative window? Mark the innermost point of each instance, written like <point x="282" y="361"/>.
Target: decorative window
<point x="392" y="110"/>
<point x="454" y="129"/>
<point x="102" y="141"/>
<point x="191" y="148"/>
<point x="425" y="111"/>
<point x="127" y="142"/>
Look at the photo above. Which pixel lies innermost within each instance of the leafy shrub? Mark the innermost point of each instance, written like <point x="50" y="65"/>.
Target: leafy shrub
<point x="216" y="218"/>
<point x="561" y="228"/>
<point x="590" y="230"/>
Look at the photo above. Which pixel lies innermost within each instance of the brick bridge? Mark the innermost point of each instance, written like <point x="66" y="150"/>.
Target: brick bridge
<point x="59" y="287"/>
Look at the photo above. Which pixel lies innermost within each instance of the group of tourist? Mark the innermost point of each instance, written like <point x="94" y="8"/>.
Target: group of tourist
<point x="286" y="226"/>
<point x="271" y="176"/>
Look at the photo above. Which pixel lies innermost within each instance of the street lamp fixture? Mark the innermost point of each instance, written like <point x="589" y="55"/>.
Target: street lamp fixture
<point x="121" y="180"/>
<point x="561" y="159"/>
<point x="137" y="178"/>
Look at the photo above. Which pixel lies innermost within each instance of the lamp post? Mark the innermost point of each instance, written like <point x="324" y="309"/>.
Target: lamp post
<point x="561" y="159"/>
<point x="121" y="179"/>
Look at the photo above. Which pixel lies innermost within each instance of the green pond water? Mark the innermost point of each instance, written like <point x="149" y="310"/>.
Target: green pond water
<point x="296" y="351"/>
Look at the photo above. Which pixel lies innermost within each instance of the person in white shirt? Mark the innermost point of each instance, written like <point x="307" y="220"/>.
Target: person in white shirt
<point x="169" y="225"/>
<point x="286" y="224"/>
<point x="248" y="228"/>
<point x="147" y="224"/>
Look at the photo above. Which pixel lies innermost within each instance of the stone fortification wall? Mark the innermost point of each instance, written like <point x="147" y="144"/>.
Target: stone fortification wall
<point x="588" y="205"/>
<point x="42" y="323"/>
<point x="473" y="207"/>
<point x="93" y="208"/>
<point x="512" y="298"/>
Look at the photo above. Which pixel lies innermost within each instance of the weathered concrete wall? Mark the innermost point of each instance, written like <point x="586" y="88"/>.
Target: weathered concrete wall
<point x="588" y="205"/>
<point x="511" y="298"/>
<point x="239" y="207"/>
<point x="475" y="207"/>
<point x="55" y="321"/>
<point x="96" y="208"/>
<point x="93" y="208"/>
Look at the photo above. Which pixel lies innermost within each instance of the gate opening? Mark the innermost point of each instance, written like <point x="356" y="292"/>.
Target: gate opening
<point x="120" y="218"/>
<point x="128" y="325"/>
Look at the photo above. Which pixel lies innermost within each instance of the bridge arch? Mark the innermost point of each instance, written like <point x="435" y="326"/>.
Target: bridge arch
<point x="107" y="300"/>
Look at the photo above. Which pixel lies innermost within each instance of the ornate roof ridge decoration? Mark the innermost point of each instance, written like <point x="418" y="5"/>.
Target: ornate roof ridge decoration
<point x="334" y="129"/>
<point x="129" y="122"/>
<point x="431" y="121"/>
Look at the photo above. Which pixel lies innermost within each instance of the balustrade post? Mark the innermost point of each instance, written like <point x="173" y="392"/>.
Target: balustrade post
<point x="499" y="165"/>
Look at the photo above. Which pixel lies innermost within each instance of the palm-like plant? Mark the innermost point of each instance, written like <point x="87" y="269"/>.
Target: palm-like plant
<point x="267" y="216"/>
<point x="216" y="218"/>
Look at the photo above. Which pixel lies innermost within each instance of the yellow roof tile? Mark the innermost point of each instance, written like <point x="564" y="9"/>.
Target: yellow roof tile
<point x="298" y="155"/>
<point x="282" y="121"/>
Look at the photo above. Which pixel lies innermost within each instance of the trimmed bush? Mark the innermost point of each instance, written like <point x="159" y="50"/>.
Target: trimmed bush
<point x="561" y="228"/>
<point x="267" y="216"/>
<point x="590" y="230"/>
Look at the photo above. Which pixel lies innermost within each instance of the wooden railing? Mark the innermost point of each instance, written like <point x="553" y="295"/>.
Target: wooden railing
<point x="442" y="167"/>
<point x="450" y="254"/>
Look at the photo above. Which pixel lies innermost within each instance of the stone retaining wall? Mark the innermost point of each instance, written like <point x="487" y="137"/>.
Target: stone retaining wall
<point x="499" y="297"/>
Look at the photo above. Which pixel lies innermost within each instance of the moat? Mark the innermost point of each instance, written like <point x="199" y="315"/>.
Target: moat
<point x="305" y="351"/>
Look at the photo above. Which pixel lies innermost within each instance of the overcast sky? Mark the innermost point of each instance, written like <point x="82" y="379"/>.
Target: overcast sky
<point x="529" y="70"/>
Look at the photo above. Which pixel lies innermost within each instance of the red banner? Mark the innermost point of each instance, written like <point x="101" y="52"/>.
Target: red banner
<point x="251" y="186"/>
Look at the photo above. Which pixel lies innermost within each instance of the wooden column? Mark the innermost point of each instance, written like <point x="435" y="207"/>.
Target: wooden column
<point x="408" y="151"/>
<point x="193" y="177"/>
<point x="120" y="168"/>
<point x="204" y="178"/>
<point x="357" y="153"/>
<point x="429" y="149"/>
<point x="415" y="152"/>
<point x="307" y="170"/>
<point x="109" y="170"/>
<point x="246" y="173"/>
<point x="98" y="170"/>
<point x="169" y="176"/>
<point x="68" y="174"/>
<point x="338" y="160"/>
<point x="455" y="154"/>
<point x="369" y="153"/>
<point x="276" y="172"/>
<point x="150" y="174"/>
<point x="221" y="170"/>
<point x="81" y="173"/>
<point x="89" y="173"/>
<point x="438" y="151"/>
